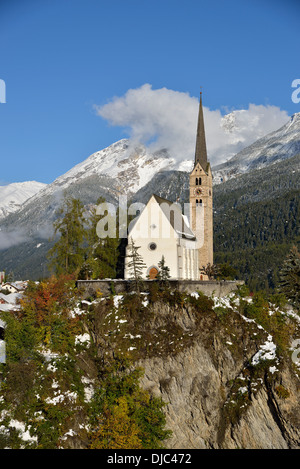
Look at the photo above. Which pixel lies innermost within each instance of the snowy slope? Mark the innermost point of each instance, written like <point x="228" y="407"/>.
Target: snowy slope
<point x="130" y="167"/>
<point x="276" y="146"/>
<point x="14" y="195"/>
<point x="120" y="169"/>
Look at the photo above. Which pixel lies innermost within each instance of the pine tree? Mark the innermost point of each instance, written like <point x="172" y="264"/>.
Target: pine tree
<point x="102" y="253"/>
<point x="164" y="272"/>
<point x="67" y="254"/>
<point x="290" y="277"/>
<point x="136" y="266"/>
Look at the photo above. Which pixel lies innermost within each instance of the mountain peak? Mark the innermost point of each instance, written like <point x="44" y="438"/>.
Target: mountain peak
<point x="14" y="195"/>
<point x="296" y="118"/>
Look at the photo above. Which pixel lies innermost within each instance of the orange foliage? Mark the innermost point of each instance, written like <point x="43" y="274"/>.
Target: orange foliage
<point x="49" y="296"/>
<point x="47" y="306"/>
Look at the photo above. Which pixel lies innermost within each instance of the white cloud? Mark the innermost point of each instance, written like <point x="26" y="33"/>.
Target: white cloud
<point x="12" y="238"/>
<point x="165" y="118"/>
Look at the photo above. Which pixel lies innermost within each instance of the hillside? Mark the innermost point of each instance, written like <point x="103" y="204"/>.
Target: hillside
<point x="158" y="370"/>
<point x="256" y="221"/>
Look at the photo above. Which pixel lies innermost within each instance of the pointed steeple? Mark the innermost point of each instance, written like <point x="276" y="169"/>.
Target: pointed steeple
<point x="201" y="153"/>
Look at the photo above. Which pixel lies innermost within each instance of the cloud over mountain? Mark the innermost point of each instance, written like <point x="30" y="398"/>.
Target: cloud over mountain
<point x="163" y="118"/>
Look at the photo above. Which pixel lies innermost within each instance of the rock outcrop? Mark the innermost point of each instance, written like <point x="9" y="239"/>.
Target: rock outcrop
<point x="229" y="388"/>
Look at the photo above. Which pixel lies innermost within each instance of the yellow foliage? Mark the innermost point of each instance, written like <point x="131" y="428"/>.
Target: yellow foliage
<point x="116" y="430"/>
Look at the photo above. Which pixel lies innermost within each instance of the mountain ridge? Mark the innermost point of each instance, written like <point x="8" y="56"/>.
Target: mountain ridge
<point x="276" y="146"/>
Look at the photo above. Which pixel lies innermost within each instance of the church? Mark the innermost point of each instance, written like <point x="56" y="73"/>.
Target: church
<point x="183" y="237"/>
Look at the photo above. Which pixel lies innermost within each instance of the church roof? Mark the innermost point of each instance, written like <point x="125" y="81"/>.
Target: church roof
<point x="201" y="152"/>
<point x="178" y="220"/>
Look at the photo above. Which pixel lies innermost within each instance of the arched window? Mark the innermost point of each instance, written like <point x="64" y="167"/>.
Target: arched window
<point x="196" y="181"/>
<point x="200" y="181"/>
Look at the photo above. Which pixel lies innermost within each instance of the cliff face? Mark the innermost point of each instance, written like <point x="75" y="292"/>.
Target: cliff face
<point x="231" y="388"/>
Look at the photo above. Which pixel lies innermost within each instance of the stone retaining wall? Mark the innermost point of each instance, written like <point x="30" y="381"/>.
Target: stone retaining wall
<point x="119" y="286"/>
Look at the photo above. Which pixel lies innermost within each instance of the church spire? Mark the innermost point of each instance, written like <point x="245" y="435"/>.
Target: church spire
<point x="201" y="153"/>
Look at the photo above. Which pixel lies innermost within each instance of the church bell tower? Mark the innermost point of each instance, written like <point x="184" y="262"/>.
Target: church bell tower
<point x="201" y="198"/>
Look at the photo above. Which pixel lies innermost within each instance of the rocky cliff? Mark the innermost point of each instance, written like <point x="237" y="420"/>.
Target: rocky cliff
<point x="233" y="386"/>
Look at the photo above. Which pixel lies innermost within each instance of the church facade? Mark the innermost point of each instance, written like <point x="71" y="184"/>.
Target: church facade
<point x="163" y="229"/>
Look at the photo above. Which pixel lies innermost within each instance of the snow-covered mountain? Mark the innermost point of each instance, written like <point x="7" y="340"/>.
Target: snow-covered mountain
<point x="276" y="146"/>
<point x="13" y="196"/>
<point x="130" y="165"/>
<point x="120" y="169"/>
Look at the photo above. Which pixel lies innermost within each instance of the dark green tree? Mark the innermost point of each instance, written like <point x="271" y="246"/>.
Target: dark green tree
<point x="289" y="282"/>
<point x="67" y="254"/>
<point x="226" y="272"/>
<point x="102" y="253"/>
<point x="164" y="272"/>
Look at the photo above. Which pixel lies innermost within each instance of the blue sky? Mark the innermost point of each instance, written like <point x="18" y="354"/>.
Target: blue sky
<point x="60" y="58"/>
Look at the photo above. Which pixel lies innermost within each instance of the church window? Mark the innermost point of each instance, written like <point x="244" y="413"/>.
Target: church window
<point x="152" y="246"/>
<point x="196" y="181"/>
<point x="200" y="181"/>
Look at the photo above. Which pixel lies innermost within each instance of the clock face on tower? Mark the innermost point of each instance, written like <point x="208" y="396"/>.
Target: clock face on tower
<point x="198" y="191"/>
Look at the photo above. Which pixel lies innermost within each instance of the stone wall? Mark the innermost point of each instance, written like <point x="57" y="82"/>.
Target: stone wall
<point x="119" y="286"/>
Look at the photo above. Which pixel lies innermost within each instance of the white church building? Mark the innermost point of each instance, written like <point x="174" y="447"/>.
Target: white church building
<point x="183" y="235"/>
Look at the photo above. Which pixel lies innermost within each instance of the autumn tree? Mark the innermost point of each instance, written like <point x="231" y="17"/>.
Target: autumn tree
<point x="116" y="430"/>
<point x="126" y="416"/>
<point x="46" y="307"/>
